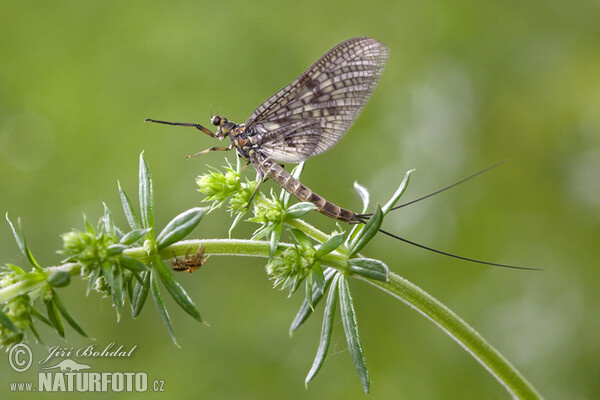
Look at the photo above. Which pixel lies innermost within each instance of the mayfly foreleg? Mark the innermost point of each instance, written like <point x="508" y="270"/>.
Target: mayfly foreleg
<point x="190" y="124"/>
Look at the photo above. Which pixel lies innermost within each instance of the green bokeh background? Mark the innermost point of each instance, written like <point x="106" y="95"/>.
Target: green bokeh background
<point x="468" y="83"/>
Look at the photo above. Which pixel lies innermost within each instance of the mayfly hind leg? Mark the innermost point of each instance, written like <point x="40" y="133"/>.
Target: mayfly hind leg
<point x="211" y="149"/>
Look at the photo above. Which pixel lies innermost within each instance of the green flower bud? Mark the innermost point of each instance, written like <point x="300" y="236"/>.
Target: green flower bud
<point x="291" y="266"/>
<point x="240" y="199"/>
<point x="218" y="187"/>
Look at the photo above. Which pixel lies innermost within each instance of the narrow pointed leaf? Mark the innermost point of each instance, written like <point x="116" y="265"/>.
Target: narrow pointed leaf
<point x="366" y="234"/>
<point x="330" y="245"/>
<point x="399" y="192"/>
<point x="318" y="276"/>
<point x="305" y="310"/>
<point x="146" y="194"/>
<point x="176" y="290"/>
<point x="108" y="274"/>
<point x="40" y="316"/>
<point x="117" y="289"/>
<point x="133" y="236"/>
<point x="274" y="242"/>
<point x="20" y="239"/>
<point x="179" y="227"/>
<point x="299" y="209"/>
<point x="16" y="269"/>
<point x="364" y="195"/>
<point x="54" y="317"/>
<point x="67" y="315"/>
<point x="115" y="249"/>
<point x="140" y="294"/>
<point x="301" y="238"/>
<point x="7" y="322"/>
<point x="369" y="268"/>
<point x="109" y="223"/>
<point x="326" y="330"/>
<point x="92" y="280"/>
<point x="128" y="210"/>
<point x="160" y="304"/>
<point x="308" y="290"/>
<point x="133" y="264"/>
<point x="35" y="332"/>
<point x="88" y="226"/>
<point x="235" y="222"/>
<point x="351" y="331"/>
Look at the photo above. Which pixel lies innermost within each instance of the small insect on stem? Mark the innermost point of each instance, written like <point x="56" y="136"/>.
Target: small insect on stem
<point x="190" y="263"/>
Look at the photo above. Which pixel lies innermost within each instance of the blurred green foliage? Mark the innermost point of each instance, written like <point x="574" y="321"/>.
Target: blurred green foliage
<point x="468" y="83"/>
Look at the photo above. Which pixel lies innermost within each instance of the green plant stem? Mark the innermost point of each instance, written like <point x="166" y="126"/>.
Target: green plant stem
<point x="397" y="286"/>
<point x="460" y="331"/>
<point x="34" y="281"/>
<point x="307" y="228"/>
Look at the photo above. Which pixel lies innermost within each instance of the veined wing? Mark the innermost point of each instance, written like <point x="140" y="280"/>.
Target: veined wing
<point x="313" y="112"/>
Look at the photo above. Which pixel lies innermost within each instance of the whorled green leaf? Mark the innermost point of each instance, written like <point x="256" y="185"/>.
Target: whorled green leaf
<point x="399" y="192"/>
<point x="330" y="245"/>
<point x="92" y="278"/>
<point x="109" y="223"/>
<point x="308" y="290"/>
<point x="160" y="304"/>
<point x="299" y="210"/>
<point x="306" y="310"/>
<point x="176" y="290"/>
<point x="366" y="234"/>
<point x="326" y="330"/>
<point x="67" y="315"/>
<point x="54" y="317"/>
<point x="179" y="227"/>
<point x="117" y="289"/>
<point x="133" y="264"/>
<point x="88" y="226"/>
<point x="35" y="332"/>
<point x="146" y="194"/>
<point x="7" y="322"/>
<point x="16" y="269"/>
<point x="318" y="276"/>
<point x="128" y="210"/>
<point x="369" y="268"/>
<point x="235" y="223"/>
<point x="133" y="236"/>
<point x="40" y="316"/>
<point x="59" y="279"/>
<point x="364" y="195"/>
<point x="140" y="294"/>
<point x="351" y="331"/>
<point x="107" y="273"/>
<point x="115" y="249"/>
<point x="301" y="238"/>
<point x="274" y="242"/>
<point x="20" y="239"/>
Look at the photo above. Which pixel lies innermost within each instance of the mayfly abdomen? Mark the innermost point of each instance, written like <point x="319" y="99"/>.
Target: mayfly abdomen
<point x="300" y="191"/>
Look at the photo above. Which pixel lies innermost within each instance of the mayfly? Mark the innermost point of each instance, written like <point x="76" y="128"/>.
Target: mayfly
<point x="308" y="117"/>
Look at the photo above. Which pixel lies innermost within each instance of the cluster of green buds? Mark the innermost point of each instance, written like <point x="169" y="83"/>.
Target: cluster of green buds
<point x="127" y="265"/>
<point x="122" y="264"/>
<point x="218" y="187"/>
<point x="322" y="262"/>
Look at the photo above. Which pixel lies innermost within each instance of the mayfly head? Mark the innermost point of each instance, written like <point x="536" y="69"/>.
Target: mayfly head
<point x="224" y="126"/>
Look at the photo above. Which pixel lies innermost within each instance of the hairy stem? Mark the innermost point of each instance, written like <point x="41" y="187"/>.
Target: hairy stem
<point x="460" y="331"/>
